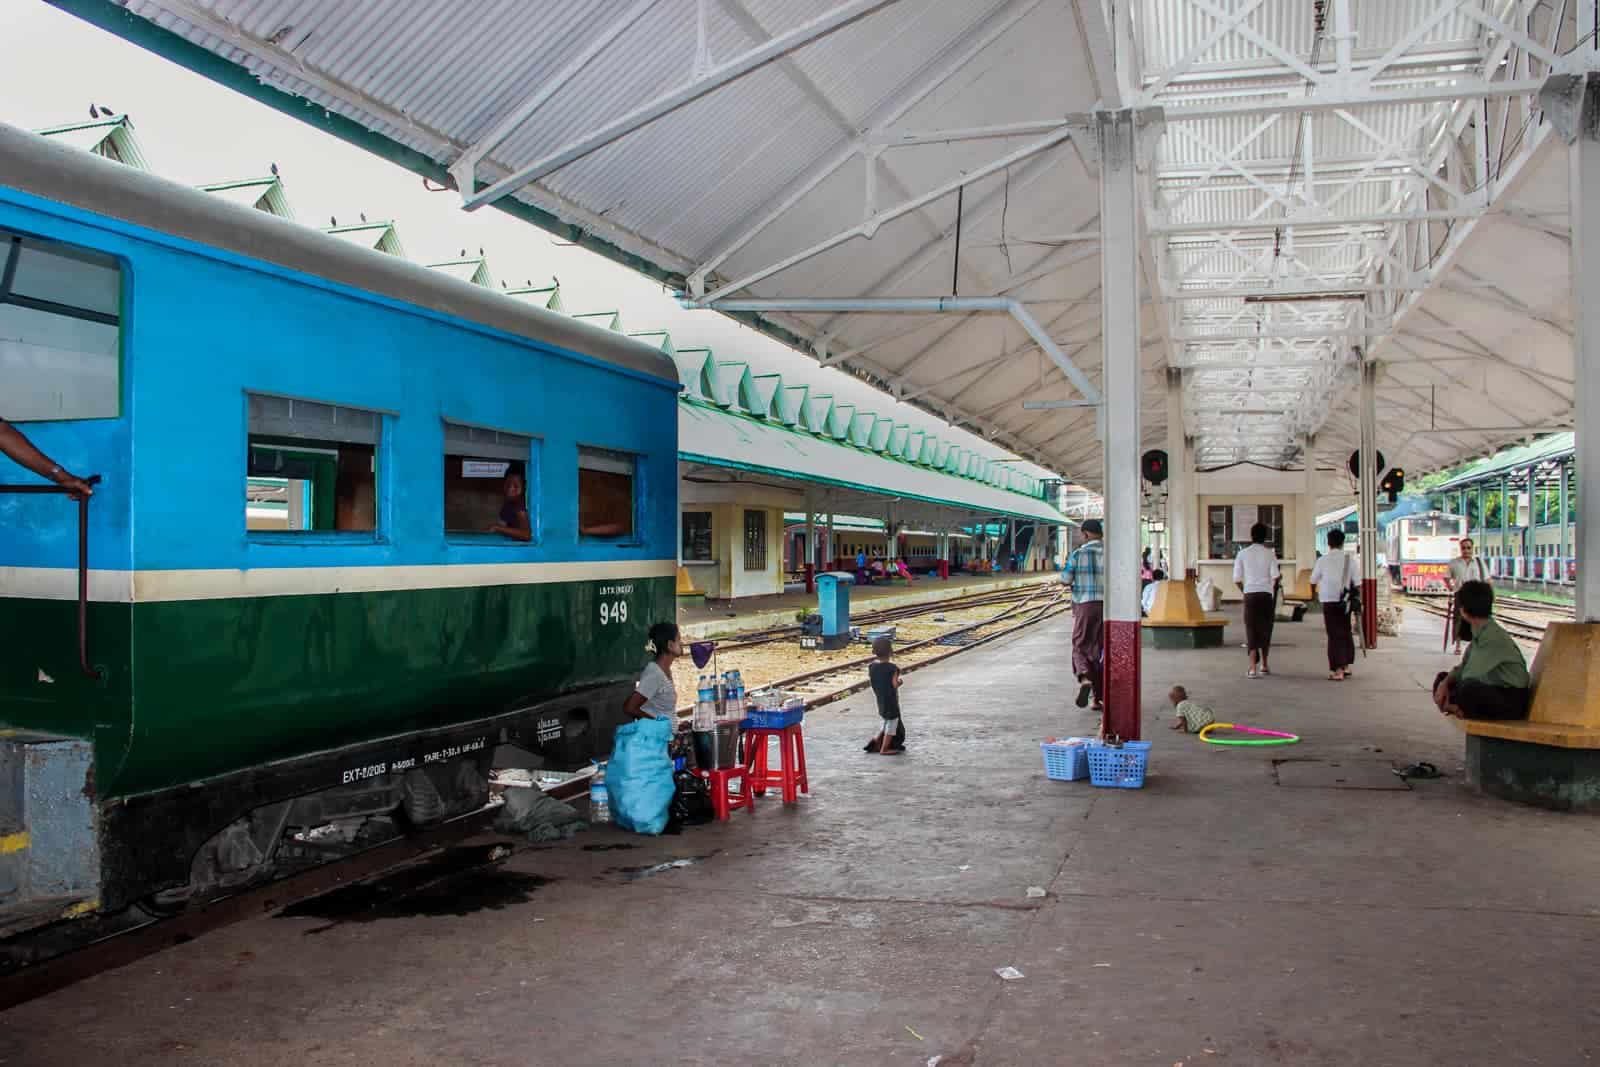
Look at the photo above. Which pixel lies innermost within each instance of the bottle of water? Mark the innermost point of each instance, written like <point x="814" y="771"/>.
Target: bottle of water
<point x="599" y="795"/>
<point x="708" y="689"/>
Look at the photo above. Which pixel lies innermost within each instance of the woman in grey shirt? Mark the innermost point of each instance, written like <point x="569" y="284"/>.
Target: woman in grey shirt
<point x="655" y="696"/>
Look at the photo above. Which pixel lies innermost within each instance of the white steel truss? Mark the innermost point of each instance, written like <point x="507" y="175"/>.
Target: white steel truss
<point x="1317" y="178"/>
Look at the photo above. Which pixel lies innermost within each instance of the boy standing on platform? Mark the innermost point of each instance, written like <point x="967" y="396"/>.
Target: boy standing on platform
<point x="885" y="678"/>
<point x="1085" y="575"/>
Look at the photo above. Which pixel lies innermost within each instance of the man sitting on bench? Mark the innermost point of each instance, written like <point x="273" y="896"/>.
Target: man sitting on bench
<point x="1491" y="681"/>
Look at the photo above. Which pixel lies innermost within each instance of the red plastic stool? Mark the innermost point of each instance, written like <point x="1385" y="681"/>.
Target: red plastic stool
<point x="791" y="772"/>
<point x="724" y="800"/>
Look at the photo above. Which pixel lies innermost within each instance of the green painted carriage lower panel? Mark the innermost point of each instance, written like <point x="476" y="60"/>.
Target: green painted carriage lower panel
<point x="220" y="685"/>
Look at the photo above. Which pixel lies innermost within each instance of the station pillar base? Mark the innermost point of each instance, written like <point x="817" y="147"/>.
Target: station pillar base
<point x="1122" y="666"/>
<point x="1543" y="776"/>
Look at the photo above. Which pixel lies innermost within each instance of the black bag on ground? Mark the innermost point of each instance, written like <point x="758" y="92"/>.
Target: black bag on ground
<point x="691" y="800"/>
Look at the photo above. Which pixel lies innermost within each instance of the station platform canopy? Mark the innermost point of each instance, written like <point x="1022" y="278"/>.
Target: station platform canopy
<point x="909" y="189"/>
<point x="850" y="461"/>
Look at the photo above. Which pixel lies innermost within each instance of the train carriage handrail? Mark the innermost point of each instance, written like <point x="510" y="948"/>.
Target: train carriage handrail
<point x="83" y="562"/>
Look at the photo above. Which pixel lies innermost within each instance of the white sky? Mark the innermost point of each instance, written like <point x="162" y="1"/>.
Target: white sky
<point x="195" y="131"/>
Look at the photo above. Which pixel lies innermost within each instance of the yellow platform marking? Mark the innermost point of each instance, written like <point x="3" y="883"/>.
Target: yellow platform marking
<point x="83" y="907"/>
<point x="13" y="843"/>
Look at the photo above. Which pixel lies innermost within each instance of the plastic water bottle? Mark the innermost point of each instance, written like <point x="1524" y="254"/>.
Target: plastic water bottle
<point x="708" y="689"/>
<point x="599" y="795"/>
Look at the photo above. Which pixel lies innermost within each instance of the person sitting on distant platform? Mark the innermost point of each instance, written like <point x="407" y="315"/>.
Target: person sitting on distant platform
<point x="1491" y="681"/>
<point x="1147" y="599"/>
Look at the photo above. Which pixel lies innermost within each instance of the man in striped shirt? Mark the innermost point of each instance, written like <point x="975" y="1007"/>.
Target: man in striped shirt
<point x="1085" y="574"/>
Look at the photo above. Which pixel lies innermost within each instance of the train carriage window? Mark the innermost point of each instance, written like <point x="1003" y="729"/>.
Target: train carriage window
<point x="311" y="467"/>
<point x="60" y="331"/>
<point x="605" y="493"/>
<point x="477" y="463"/>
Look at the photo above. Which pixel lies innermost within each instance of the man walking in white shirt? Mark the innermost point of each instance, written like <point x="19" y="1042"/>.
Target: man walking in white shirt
<point x="1465" y="568"/>
<point x="1255" y="570"/>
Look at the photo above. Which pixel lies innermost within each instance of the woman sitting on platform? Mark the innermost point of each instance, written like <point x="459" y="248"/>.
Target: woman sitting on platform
<point x="1491" y="681"/>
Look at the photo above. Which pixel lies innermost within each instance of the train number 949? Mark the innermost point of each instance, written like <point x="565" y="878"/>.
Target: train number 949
<point x="613" y="611"/>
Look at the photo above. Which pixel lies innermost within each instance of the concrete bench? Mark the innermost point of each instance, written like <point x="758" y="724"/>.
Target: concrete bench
<point x="1177" y="620"/>
<point x="1552" y="758"/>
<point x="1299" y="598"/>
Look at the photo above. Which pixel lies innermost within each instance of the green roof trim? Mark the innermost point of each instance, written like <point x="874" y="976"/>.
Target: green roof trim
<point x="271" y="198"/>
<point x="545" y="296"/>
<point x="387" y="240"/>
<point x="1510" y="459"/>
<point x="793" y="461"/>
<point x="758" y="394"/>
<point x="790" y="405"/>
<point x="814" y="415"/>
<point x="474" y="270"/>
<point x="607" y="320"/>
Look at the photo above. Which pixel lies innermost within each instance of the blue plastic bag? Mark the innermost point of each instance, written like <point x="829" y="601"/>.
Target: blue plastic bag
<point x="639" y="776"/>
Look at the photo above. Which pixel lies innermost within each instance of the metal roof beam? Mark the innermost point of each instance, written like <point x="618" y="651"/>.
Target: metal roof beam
<point x="464" y="169"/>
<point x="887" y="113"/>
<point x="868" y="227"/>
<point x="1475" y="89"/>
<point x="1312" y="221"/>
<point x="924" y="305"/>
<point x="665" y="104"/>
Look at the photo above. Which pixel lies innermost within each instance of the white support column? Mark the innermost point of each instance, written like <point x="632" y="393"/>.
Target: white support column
<point x="1584" y="168"/>
<point x="1305" y="527"/>
<point x="1119" y="300"/>
<point x="1179" y="485"/>
<point x="807" y="560"/>
<point x="1368" y="508"/>
<point x="1561" y="554"/>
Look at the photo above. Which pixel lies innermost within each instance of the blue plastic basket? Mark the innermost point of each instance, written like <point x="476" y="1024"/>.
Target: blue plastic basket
<point x="1119" y="768"/>
<point x="1065" y="763"/>
<point x="757" y="719"/>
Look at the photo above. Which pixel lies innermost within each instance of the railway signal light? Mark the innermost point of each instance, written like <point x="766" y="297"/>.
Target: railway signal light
<point x="1153" y="464"/>
<point x="1355" y="463"/>
<point x="1394" y="483"/>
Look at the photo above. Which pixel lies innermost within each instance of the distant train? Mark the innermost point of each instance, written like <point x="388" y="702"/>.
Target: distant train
<point x="302" y="639"/>
<point x="1420" y="548"/>
<point x="916" y="548"/>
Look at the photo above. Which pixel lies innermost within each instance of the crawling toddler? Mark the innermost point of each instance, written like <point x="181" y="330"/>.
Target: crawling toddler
<point x="1190" y="715"/>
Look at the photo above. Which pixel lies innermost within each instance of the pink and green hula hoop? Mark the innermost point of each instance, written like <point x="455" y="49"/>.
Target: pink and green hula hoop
<point x="1265" y="737"/>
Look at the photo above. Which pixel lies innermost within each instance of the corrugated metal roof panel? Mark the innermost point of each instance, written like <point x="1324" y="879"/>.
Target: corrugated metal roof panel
<point x="718" y="437"/>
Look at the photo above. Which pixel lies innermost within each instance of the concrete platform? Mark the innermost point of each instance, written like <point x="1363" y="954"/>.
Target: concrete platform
<point x="1214" y="917"/>
<point x="719" y="618"/>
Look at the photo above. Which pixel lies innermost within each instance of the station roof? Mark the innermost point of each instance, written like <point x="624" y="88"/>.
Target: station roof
<point x="1512" y="461"/>
<point x="1320" y="181"/>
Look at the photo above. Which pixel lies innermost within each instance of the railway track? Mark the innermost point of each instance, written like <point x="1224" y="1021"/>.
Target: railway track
<point x="886" y="615"/>
<point x="838" y="680"/>
<point x="1520" y="626"/>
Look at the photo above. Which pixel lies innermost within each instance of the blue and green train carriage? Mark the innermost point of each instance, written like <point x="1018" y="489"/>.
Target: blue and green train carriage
<point x="295" y="617"/>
